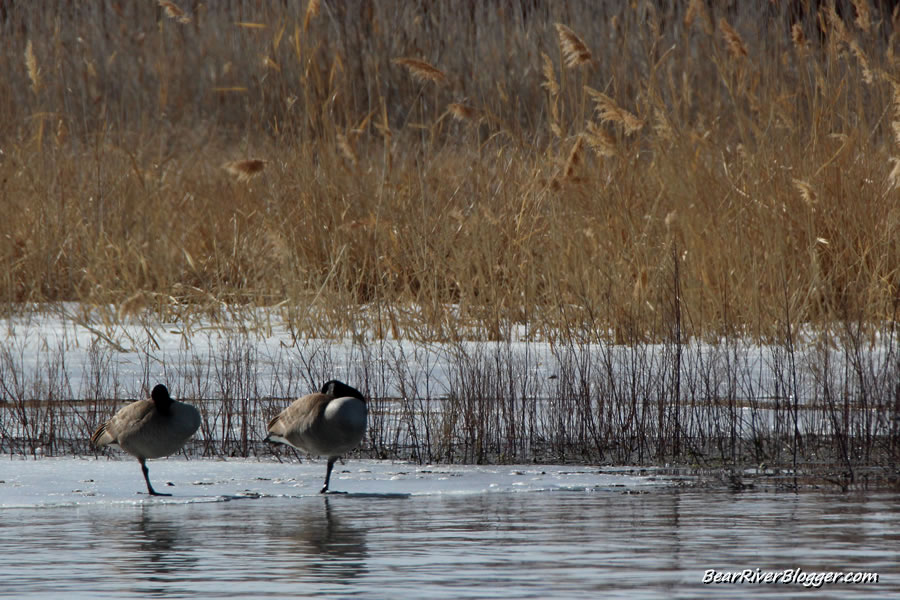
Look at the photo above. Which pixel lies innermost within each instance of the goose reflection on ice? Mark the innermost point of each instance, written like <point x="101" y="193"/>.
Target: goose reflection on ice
<point x="152" y="547"/>
<point x="326" y="543"/>
<point x="163" y="542"/>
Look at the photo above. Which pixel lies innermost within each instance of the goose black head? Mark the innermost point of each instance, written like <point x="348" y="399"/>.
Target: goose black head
<point x="339" y="389"/>
<point x="161" y="398"/>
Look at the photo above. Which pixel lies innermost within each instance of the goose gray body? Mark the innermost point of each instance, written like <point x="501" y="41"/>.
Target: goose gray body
<point x="152" y="428"/>
<point x="328" y="423"/>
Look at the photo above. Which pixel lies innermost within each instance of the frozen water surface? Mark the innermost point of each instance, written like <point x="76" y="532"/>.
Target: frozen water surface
<point x="80" y="528"/>
<point x="76" y="482"/>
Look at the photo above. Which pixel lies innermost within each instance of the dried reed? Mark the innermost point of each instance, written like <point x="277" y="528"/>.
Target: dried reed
<point x="611" y="112"/>
<point x="733" y="40"/>
<point x="575" y="51"/>
<point x="346" y="149"/>
<point x="549" y="83"/>
<point x="863" y="15"/>
<point x="697" y="10"/>
<point x="173" y="11"/>
<point x="245" y="170"/>
<point x="806" y="192"/>
<point x="441" y="238"/>
<point x="421" y="70"/>
<point x="575" y="158"/>
<point x="312" y="11"/>
<point x="462" y="112"/>
<point x="34" y="72"/>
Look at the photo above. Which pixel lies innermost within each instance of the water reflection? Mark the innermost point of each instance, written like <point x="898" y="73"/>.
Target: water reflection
<point x="327" y="544"/>
<point x="164" y="546"/>
<point x="502" y="545"/>
<point x="155" y="547"/>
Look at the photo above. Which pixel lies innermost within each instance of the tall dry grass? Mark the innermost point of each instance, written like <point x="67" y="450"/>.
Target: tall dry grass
<point x="593" y="171"/>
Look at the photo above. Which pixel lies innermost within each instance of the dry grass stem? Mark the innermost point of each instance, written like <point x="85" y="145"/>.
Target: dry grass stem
<point x="270" y="63"/>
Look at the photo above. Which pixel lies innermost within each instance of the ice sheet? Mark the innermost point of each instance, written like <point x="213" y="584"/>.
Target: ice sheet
<point x="60" y="482"/>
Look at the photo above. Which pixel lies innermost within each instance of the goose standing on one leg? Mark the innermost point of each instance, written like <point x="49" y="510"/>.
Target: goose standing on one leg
<point x="152" y="428"/>
<point x="328" y="423"/>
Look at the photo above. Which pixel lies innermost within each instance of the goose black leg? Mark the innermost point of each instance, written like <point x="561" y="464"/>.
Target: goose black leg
<point x="146" y="472"/>
<point x="331" y="460"/>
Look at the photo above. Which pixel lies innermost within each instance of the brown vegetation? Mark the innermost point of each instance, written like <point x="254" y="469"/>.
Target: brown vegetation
<point x="579" y="128"/>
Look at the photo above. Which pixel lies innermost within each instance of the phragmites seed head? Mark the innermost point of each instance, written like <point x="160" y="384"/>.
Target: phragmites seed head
<point x="894" y="175"/>
<point x="549" y="83"/>
<point x="806" y="192"/>
<point x="863" y="14"/>
<point x="697" y="10"/>
<point x="245" y="170"/>
<point x="346" y="149"/>
<point x="895" y="122"/>
<point x="461" y="112"/>
<point x="733" y="40"/>
<point x="798" y="37"/>
<point x="868" y="75"/>
<point x="601" y="141"/>
<point x="670" y="219"/>
<point x="173" y="11"/>
<point x="62" y="132"/>
<point x="421" y="70"/>
<point x="34" y="72"/>
<point x="574" y="158"/>
<point x="610" y="111"/>
<point x="836" y="23"/>
<point x="662" y="125"/>
<point x="312" y="10"/>
<point x="575" y="51"/>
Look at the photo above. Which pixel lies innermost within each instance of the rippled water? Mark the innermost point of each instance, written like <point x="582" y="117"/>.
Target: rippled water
<point x="552" y="544"/>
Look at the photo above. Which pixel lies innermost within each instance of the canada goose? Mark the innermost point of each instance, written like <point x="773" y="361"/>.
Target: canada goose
<point x="328" y="423"/>
<point x="152" y="428"/>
